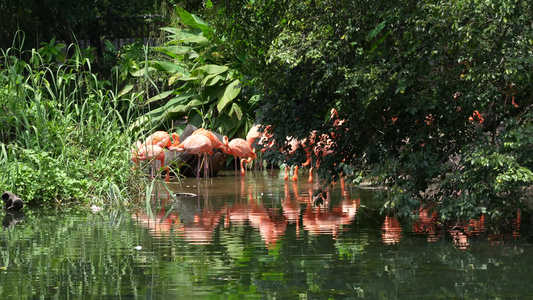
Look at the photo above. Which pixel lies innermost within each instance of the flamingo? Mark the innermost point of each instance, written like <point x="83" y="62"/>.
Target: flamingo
<point x="253" y="134"/>
<point x="149" y="152"/>
<point x="215" y="142"/>
<point x="239" y="148"/>
<point x="265" y="139"/>
<point x="294" y="144"/>
<point x="162" y="139"/>
<point x="195" y="144"/>
<point x="211" y="136"/>
<point x="159" y="138"/>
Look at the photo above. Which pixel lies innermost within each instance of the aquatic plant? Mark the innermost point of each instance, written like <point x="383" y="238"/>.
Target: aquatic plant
<point x="63" y="133"/>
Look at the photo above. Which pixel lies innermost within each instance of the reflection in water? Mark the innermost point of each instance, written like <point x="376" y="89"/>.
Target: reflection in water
<point x="246" y="237"/>
<point x="391" y="231"/>
<point x="427" y="224"/>
<point x="247" y="209"/>
<point x="461" y="231"/>
<point x="11" y="218"/>
<point x="296" y="207"/>
<point x="320" y="220"/>
<point x="201" y="230"/>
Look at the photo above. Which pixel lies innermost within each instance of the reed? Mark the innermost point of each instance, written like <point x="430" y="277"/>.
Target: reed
<point x="63" y="131"/>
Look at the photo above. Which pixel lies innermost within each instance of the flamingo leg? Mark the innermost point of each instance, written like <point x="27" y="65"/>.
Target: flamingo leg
<point x="198" y="168"/>
<point x="167" y="177"/>
<point x="206" y="167"/>
<point x="243" y="161"/>
<point x="242" y="167"/>
<point x="295" y="175"/>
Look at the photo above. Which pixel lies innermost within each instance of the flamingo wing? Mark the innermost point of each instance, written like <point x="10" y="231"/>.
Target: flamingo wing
<point x="241" y="148"/>
<point x="160" y="138"/>
<point x="195" y="144"/>
<point x="215" y="142"/>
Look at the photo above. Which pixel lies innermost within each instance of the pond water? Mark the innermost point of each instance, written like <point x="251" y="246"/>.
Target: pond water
<point x="233" y="237"/>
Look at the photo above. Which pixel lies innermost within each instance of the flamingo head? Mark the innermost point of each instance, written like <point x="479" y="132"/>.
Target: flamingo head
<point x="176" y="139"/>
<point x="225" y="144"/>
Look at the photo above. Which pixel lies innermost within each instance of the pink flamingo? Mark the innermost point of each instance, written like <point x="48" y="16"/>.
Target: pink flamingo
<point x="323" y="147"/>
<point x="215" y="143"/>
<point x="239" y="148"/>
<point x="196" y="144"/>
<point x="294" y="144"/>
<point x="265" y="139"/>
<point x="265" y="142"/>
<point x="211" y="136"/>
<point x="159" y="138"/>
<point x="147" y="153"/>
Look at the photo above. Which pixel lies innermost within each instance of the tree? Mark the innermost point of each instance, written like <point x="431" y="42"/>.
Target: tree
<point x="410" y="80"/>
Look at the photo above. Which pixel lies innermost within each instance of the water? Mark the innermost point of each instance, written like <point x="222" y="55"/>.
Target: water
<point x="258" y="237"/>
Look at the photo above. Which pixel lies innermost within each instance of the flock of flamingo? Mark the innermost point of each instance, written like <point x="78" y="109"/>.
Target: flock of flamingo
<point x="271" y="223"/>
<point x="202" y="142"/>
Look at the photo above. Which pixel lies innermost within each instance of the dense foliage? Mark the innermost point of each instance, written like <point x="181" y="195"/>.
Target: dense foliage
<point x="187" y="77"/>
<point x="63" y="132"/>
<point x="434" y="95"/>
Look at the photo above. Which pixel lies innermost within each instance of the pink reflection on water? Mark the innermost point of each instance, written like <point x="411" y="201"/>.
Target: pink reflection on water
<point x="201" y="230"/>
<point x="391" y="231"/>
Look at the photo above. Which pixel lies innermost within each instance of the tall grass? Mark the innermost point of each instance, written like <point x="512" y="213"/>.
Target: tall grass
<point x="63" y="131"/>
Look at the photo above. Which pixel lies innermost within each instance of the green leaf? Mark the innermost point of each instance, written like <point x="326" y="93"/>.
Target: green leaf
<point x="236" y="109"/>
<point x="143" y="71"/>
<point x="230" y="92"/>
<point x="182" y="36"/>
<point x="372" y="34"/>
<point x="194" y="21"/>
<point x="211" y="69"/>
<point x="168" y="66"/>
<point x="200" y="40"/>
<point x="159" y="96"/>
<point x="211" y="80"/>
<point x="180" y="99"/>
<point x="125" y="90"/>
<point x="173" y="51"/>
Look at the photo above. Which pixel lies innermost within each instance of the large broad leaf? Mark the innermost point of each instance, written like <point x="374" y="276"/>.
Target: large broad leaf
<point x="125" y="90"/>
<point x="194" y="21"/>
<point x="143" y="72"/>
<point x="167" y="66"/>
<point x="180" y="99"/>
<point x="188" y="78"/>
<point x="185" y="107"/>
<point x="200" y="40"/>
<point x="236" y="109"/>
<point x="229" y="93"/>
<point x="153" y="116"/>
<point x="183" y="36"/>
<point x="173" y="51"/>
<point x="372" y="34"/>
<point x="172" y="30"/>
<point x="181" y="104"/>
<point x="211" y="69"/>
<point x="160" y="96"/>
<point x="212" y="79"/>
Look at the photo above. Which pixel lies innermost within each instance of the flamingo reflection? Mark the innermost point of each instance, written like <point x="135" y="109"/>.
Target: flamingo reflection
<point x="427" y="224"/>
<point x="319" y="220"/>
<point x="391" y="231"/>
<point x="201" y="230"/>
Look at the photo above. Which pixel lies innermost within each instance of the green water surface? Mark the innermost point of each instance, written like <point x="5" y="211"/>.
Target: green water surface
<point x="257" y="237"/>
